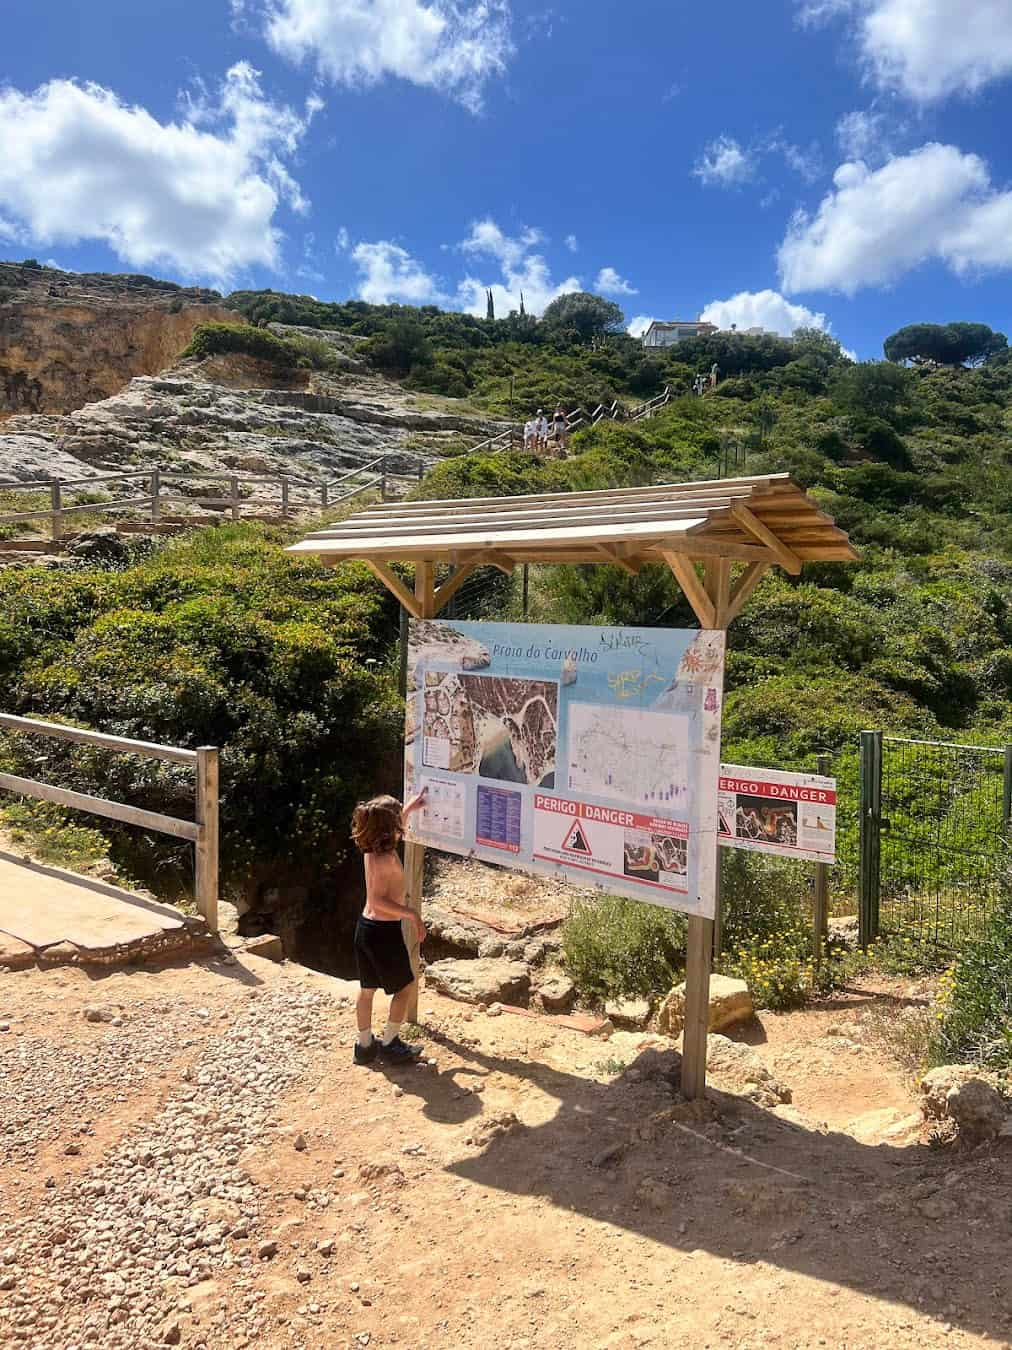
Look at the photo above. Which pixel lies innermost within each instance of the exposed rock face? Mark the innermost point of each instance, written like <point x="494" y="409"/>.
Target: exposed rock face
<point x="68" y="339"/>
<point x="91" y="380"/>
<point x="730" y="1003"/>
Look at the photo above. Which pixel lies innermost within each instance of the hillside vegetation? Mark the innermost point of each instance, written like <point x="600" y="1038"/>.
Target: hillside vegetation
<point x="291" y="666"/>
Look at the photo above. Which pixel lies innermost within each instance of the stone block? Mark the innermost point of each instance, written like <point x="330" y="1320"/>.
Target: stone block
<point x="730" y="1004"/>
<point x="485" y="980"/>
<point x="268" y="946"/>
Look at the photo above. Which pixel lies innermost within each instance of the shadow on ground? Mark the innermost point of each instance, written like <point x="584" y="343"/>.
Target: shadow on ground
<point x="907" y="1225"/>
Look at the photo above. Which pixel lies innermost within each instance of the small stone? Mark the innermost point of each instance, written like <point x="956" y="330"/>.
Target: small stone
<point x="303" y="1275"/>
<point x="94" y="1013"/>
<point x="72" y="1150"/>
<point x="8" y="1282"/>
<point x="171" y="1333"/>
<point x="326" y="1248"/>
<point x="398" y="1091"/>
<point x="266" y="1250"/>
<point x="354" y="1287"/>
<point x="299" y="1143"/>
<point x="5" y="1026"/>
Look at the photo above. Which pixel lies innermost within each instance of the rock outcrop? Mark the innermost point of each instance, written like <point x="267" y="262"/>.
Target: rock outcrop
<point x="92" y="380"/>
<point x="730" y="1004"/>
<point x="68" y="339"/>
<point x="483" y="981"/>
<point x="962" y="1094"/>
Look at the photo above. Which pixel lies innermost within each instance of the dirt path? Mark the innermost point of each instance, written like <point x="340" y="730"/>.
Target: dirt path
<point x="526" y="1190"/>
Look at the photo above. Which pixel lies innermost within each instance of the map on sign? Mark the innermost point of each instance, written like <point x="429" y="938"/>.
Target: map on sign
<point x="629" y="754"/>
<point x="586" y="753"/>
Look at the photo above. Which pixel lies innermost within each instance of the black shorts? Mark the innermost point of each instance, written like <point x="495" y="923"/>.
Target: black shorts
<point x="381" y="957"/>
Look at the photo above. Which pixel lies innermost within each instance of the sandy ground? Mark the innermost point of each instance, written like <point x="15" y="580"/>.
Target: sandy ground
<point x="526" y="1190"/>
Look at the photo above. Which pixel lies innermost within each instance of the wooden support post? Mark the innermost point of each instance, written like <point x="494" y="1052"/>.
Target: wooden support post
<point x="414" y="854"/>
<point x="156" y="488"/>
<point x="234" y="486"/>
<point x="821" y="898"/>
<point x="700" y="943"/>
<point x="206" y="884"/>
<point x="55" y="499"/>
<point x="324" y="496"/>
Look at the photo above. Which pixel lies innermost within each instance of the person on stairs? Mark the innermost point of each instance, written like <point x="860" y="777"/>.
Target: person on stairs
<point x="381" y="955"/>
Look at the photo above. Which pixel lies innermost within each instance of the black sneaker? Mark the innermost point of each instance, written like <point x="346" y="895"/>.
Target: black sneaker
<point x="365" y="1054"/>
<point x="397" y="1052"/>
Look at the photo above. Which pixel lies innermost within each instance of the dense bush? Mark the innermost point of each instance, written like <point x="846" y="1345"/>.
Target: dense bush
<point x="615" y="948"/>
<point x="976" y="1007"/>
<point x="221" y="639"/>
<point x="215" y="339"/>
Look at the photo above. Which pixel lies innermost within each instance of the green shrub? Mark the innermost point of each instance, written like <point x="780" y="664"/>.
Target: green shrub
<point x="299" y="352"/>
<point x="623" y="949"/>
<point x="975" y="1012"/>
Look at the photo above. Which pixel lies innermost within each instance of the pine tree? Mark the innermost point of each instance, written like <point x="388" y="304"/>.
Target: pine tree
<point x="490" y="310"/>
<point x="522" y="310"/>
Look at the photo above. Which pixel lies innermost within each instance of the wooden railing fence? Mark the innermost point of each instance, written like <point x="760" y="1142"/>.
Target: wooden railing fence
<point x="160" y="487"/>
<point x="202" y="831"/>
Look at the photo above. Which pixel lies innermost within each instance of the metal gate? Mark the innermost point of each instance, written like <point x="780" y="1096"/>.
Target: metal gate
<point x="934" y="837"/>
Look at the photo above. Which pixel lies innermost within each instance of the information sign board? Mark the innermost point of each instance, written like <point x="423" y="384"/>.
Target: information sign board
<point x="586" y="753"/>
<point x="766" y="811"/>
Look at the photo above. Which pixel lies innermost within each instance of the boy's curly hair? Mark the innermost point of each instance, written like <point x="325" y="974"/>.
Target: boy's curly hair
<point x="376" y="825"/>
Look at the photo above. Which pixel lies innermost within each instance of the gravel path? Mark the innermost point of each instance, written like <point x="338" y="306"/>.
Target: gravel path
<point x="104" y="1263"/>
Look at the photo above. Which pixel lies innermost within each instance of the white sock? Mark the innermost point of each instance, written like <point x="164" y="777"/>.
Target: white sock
<point x="365" y="1037"/>
<point x="390" y="1031"/>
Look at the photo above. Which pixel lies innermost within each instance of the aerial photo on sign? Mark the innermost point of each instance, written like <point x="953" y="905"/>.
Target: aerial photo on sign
<point x="767" y="811"/>
<point x="587" y="753"/>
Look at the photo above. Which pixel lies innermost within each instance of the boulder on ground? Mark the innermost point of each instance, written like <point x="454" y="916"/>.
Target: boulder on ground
<point x="844" y="931"/>
<point x="730" y="1004"/>
<point x="628" y="1012"/>
<point x="739" y="1068"/>
<point x="103" y="545"/>
<point x="485" y="980"/>
<point x="557" y="993"/>
<point x="959" y="1092"/>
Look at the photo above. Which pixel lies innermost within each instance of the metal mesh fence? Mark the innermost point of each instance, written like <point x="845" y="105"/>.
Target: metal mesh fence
<point x="943" y="839"/>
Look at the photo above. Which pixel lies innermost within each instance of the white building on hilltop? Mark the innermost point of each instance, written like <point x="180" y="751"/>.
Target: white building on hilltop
<point x="666" y="334"/>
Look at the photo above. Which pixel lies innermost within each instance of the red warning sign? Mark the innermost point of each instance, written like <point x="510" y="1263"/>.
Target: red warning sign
<point x="576" y="841"/>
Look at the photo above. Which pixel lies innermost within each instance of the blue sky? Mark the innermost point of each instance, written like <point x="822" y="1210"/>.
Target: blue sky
<point x="842" y="162"/>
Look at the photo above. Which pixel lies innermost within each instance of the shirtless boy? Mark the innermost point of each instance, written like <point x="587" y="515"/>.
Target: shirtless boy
<point x="380" y="952"/>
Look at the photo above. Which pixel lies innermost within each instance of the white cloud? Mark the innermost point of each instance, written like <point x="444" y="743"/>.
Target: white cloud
<point x="343" y="241"/>
<point x="486" y="238"/>
<point x="934" y="203"/>
<point x="199" y="195"/>
<point x="639" y="325"/>
<point x="609" y="282"/>
<point x="859" y="134"/>
<point x="805" y="161"/>
<point x="725" y="164"/>
<point x="572" y="243"/>
<point x="521" y="271"/>
<point x="389" y="273"/>
<point x="455" y="46"/>
<point x="927" y="49"/>
<point x="762" y="309"/>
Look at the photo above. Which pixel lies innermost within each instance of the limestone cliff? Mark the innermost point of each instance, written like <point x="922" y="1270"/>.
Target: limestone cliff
<point x="67" y="338"/>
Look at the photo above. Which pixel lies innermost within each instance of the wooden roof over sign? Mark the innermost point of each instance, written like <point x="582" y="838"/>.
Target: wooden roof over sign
<point x="768" y="519"/>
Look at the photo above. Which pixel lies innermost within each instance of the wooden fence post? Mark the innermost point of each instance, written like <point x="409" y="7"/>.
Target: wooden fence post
<point x="156" y="488"/>
<point x="324" y="496"/>
<point x="234" y="484"/>
<point x="56" y="501"/>
<point x="206" y="882"/>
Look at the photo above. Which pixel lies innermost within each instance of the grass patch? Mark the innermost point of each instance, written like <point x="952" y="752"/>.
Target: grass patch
<point x="49" y="836"/>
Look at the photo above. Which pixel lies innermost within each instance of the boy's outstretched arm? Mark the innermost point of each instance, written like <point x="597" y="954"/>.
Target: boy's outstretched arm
<point x="415" y="804"/>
